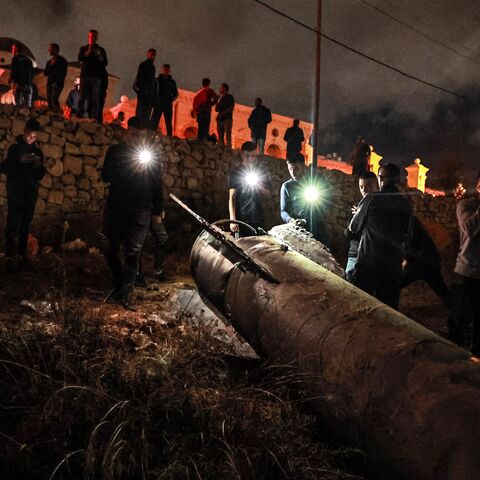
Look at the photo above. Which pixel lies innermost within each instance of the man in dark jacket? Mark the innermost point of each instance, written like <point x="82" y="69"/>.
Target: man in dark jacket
<point x="24" y="169"/>
<point x="382" y="221"/>
<point x="203" y="102"/>
<point x="56" y="71"/>
<point x="144" y="87"/>
<point x="92" y="75"/>
<point x="258" y="120"/>
<point x="73" y="99"/>
<point x="21" y="78"/>
<point x="225" y="107"/>
<point x="466" y="286"/>
<point x="166" y="93"/>
<point x="294" y="137"/>
<point x="135" y="199"/>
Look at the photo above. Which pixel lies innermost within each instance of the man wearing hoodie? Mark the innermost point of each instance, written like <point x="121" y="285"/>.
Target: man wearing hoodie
<point x="258" y="120"/>
<point x="166" y="93"/>
<point x="203" y="102"/>
<point x="21" y="78"/>
<point x="24" y="169"/>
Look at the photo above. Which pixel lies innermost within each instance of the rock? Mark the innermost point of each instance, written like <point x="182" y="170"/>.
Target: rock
<point x="17" y="126"/>
<point x="56" y="140"/>
<point x="70" y="192"/>
<point x="43" y="120"/>
<point x="68" y="179"/>
<point x="52" y="151"/>
<point x="168" y="180"/>
<point x="88" y="127"/>
<point x="91" y="173"/>
<point x="72" y="148"/>
<point x="90" y="150"/>
<point x="5" y="123"/>
<point x="69" y="137"/>
<point x="46" y="181"/>
<point x="25" y="112"/>
<point x="68" y="206"/>
<point x="55" y="168"/>
<point x="192" y="183"/>
<point x="43" y="137"/>
<point x="101" y="139"/>
<point x="3" y="190"/>
<point x="72" y="164"/>
<point x="52" y="130"/>
<point x="42" y="192"/>
<point x="83" y="195"/>
<point x="189" y="162"/>
<point x="55" y="197"/>
<point x="89" y="161"/>
<point x="40" y="206"/>
<point x="99" y="191"/>
<point x="83" y="137"/>
<point x="58" y="125"/>
<point x="84" y="184"/>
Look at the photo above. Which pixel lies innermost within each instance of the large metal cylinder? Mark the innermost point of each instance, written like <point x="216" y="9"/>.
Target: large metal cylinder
<point x="403" y="393"/>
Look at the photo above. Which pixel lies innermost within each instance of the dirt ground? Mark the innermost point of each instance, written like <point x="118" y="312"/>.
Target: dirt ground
<point x="227" y="416"/>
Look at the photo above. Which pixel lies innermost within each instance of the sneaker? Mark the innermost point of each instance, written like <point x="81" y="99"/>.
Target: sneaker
<point x="162" y="277"/>
<point x="126" y="300"/>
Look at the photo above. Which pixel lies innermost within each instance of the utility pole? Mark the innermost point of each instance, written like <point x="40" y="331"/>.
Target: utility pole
<point x="317" y="87"/>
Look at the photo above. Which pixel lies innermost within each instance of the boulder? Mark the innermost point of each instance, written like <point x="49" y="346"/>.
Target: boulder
<point x="90" y="150"/>
<point x="55" y="197"/>
<point x="72" y="148"/>
<point x="73" y="164"/>
<point x="55" y="168"/>
<point x="68" y="179"/>
<point x="52" y="151"/>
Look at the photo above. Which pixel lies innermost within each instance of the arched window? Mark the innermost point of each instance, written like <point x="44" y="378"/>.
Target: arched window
<point x="190" y="132"/>
<point x="274" y="150"/>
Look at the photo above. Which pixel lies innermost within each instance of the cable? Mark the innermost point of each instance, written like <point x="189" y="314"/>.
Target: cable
<point x="419" y="32"/>
<point x="368" y="57"/>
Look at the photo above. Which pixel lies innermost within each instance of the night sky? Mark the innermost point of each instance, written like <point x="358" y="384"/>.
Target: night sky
<point x="261" y="54"/>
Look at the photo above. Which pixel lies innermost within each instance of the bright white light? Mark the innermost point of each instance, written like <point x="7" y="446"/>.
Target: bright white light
<point x="252" y="179"/>
<point x="145" y="156"/>
<point x="312" y="194"/>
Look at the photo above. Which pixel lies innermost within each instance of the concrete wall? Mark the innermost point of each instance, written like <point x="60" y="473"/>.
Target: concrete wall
<point x="196" y="172"/>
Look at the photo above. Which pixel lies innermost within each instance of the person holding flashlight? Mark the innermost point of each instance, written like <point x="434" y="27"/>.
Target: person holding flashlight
<point x="246" y="187"/>
<point x="300" y="199"/>
<point x="135" y="199"/>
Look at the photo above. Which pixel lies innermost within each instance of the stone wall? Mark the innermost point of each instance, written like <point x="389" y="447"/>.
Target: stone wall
<point x="195" y="171"/>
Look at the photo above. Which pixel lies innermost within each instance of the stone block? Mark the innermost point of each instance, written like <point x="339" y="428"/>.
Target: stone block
<point x="68" y="179"/>
<point x="89" y="161"/>
<point x="43" y="137"/>
<point x="40" y="206"/>
<point x="57" y="140"/>
<point x="68" y="206"/>
<point x="100" y="138"/>
<point x="52" y="151"/>
<point x="42" y="192"/>
<point x="82" y="195"/>
<point x="55" y="168"/>
<point x="99" y="191"/>
<point x="192" y="183"/>
<point x="17" y="126"/>
<point x="58" y="124"/>
<point x="43" y="120"/>
<point x="72" y="164"/>
<point x="88" y="127"/>
<point x="190" y="162"/>
<point x="168" y="180"/>
<point x="90" y="150"/>
<point x="72" y="149"/>
<point x="70" y="191"/>
<point x="55" y="197"/>
<point x="52" y="130"/>
<point x="69" y="137"/>
<point x="46" y="181"/>
<point x="83" y="137"/>
<point x="84" y="184"/>
<point x="91" y="173"/>
<point x="5" y="123"/>
<point x="3" y="190"/>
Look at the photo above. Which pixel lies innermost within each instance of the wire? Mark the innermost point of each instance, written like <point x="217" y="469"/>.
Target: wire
<point x="368" y="57"/>
<point x="419" y="32"/>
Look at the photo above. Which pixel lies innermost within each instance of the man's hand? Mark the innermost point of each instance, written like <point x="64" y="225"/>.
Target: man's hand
<point x="354" y="209"/>
<point x="459" y="191"/>
<point x="158" y="219"/>
<point x="234" y="227"/>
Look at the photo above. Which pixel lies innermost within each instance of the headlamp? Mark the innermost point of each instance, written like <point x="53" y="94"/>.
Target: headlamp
<point x="252" y="178"/>
<point x="312" y="194"/>
<point x="145" y="156"/>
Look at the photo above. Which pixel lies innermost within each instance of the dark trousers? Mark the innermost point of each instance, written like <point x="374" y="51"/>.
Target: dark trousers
<point x="378" y="282"/>
<point x="90" y="94"/>
<point x="167" y="111"/>
<point x="203" y="121"/>
<point x="465" y="312"/>
<point x="430" y="274"/>
<point x="19" y="217"/>
<point x="144" y="109"/>
<point x="23" y="95"/>
<point x="128" y="230"/>
<point x="53" y="94"/>
<point x="160" y="236"/>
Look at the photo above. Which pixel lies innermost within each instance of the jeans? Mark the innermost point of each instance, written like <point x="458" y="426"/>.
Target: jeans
<point x="53" y="93"/>
<point x="224" y="130"/>
<point x="260" y="143"/>
<point x="167" y="112"/>
<point x="23" y="95"/>
<point x="350" y="268"/>
<point x="464" y="321"/>
<point x="203" y="121"/>
<point x="90" y="94"/>
<point x="19" y="217"/>
<point x="128" y="229"/>
<point x="160" y="237"/>
<point x="378" y="282"/>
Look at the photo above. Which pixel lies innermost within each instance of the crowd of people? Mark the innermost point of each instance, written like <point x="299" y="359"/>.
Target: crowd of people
<point x="388" y="247"/>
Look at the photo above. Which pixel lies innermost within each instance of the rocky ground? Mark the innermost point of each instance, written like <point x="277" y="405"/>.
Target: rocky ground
<point x="89" y="390"/>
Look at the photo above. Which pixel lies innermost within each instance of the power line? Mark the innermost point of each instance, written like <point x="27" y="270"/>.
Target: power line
<point x="368" y="57"/>
<point x="419" y="32"/>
